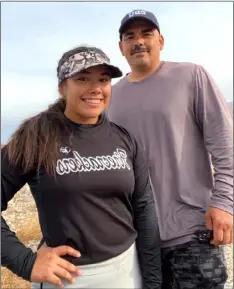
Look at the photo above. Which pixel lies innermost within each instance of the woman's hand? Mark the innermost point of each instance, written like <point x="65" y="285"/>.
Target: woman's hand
<point x="50" y="267"/>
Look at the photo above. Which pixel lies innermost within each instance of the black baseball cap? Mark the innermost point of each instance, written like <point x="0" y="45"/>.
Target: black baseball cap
<point x="138" y="14"/>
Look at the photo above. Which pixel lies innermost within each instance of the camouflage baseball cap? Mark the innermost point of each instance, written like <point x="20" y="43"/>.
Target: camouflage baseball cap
<point x="89" y="57"/>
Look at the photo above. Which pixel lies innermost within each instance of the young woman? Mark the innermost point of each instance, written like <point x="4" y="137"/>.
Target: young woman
<point x="89" y="179"/>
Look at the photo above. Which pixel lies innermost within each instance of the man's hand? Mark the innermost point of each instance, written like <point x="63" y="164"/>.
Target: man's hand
<point x="50" y="267"/>
<point x="221" y="223"/>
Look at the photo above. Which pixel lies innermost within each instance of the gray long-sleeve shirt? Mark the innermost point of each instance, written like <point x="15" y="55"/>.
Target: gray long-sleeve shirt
<point x="181" y="119"/>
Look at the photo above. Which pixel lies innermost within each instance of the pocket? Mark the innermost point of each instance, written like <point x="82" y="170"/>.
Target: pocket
<point x="130" y="265"/>
<point x="130" y="272"/>
<point x="36" y="285"/>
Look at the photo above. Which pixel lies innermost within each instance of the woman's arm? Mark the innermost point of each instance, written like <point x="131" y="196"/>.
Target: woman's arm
<point x="146" y="223"/>
<point x="14" y="255"/>
<point x="47" y="264"/>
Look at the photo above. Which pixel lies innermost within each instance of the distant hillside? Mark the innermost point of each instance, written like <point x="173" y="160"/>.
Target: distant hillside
<point x="230" y="105"/>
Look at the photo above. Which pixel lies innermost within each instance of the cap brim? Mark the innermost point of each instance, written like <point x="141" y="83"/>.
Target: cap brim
<point x="115" y="72"/>
<point x="124" y="26"/>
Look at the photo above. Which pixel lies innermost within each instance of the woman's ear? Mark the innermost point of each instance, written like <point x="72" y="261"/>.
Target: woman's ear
<point x="62" y="90"/>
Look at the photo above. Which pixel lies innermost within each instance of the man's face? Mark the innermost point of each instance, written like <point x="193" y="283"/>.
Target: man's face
<point x="141" y="44"/>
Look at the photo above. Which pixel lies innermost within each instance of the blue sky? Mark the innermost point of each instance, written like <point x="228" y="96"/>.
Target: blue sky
<point x="36" y="34"/>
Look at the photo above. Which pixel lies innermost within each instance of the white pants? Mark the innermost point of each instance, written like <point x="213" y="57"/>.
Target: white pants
<point x="119" y="272"/>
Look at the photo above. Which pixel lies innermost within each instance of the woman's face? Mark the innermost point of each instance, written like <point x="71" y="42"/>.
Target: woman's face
<point x="87" y="94"/>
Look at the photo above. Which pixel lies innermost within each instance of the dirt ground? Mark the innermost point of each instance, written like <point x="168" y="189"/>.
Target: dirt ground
<point x="22" y="218"/>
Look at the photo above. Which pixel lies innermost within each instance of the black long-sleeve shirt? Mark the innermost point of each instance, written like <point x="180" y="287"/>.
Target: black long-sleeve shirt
<point x="100" y="202"/>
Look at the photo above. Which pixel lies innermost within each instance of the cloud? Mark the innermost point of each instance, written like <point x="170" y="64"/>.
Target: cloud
<point x="23" y="95"/>
<point x="35" y="35"/>
<point x="199" y="37"/>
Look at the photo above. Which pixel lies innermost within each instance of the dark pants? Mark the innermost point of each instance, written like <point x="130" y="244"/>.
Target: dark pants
<point x="193" y="265"/>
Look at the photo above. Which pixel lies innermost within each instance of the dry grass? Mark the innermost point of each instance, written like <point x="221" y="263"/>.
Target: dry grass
<point x="10" y="281"/>
<point x="29" y="232"/>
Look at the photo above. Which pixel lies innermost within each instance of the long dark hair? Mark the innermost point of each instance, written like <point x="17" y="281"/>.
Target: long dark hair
<point x="36" y="142"/>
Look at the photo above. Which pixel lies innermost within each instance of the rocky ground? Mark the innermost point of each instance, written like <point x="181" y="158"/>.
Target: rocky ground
<point x="21" y="216"/>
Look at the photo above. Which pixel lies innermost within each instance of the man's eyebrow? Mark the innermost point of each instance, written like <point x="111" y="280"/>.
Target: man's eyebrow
<point x="148" y="30"/>
<point x="127" y="33"/>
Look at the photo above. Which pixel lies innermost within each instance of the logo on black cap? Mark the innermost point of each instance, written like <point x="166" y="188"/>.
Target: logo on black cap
<point x="139" y="13"/>
<point x="136" y="13"/>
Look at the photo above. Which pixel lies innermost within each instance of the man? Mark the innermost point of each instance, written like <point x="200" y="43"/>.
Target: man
<point x="181" y="118"/>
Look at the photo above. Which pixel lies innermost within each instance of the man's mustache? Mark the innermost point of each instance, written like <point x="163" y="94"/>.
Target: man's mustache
<point x="139" y="48"/>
